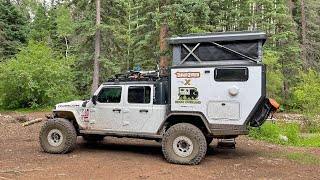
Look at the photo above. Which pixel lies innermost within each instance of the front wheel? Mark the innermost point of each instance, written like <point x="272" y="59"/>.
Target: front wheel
<point x="58" y="136"/>
<point x="184" y="143"/>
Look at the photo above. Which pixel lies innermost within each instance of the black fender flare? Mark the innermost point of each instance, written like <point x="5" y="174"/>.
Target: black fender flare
<point x="190" y="114"/>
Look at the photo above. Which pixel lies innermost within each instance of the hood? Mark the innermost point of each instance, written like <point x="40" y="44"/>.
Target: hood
<point x="69" y="105"/>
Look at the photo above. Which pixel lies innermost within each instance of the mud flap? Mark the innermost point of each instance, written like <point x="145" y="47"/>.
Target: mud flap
<point x="267" y="107"/>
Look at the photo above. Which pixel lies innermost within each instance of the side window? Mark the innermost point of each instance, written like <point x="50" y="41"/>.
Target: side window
<point x="231" y="74"/>
<point x="110" y="95"/>
<point x="139" y="94"/>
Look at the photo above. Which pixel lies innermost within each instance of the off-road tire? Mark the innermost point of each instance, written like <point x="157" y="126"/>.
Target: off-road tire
<point x="186" y="131"/>
<point x="92" y="137"/>
<point x="64" y="129"/>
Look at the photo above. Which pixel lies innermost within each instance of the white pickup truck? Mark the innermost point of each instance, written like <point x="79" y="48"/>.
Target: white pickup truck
<point x="215" y="88"/>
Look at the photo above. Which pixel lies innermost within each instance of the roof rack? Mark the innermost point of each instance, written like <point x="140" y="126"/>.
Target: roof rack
<point x="137" y="76"/>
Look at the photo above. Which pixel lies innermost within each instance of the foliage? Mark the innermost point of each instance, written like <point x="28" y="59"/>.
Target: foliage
<point x="271" y="132"/>
<point x="300" y="157"/>
<point x="13" y="29"/>
<point x="37" y="76"/>
<point x="40" y="27"/>
<point x="28" y="109"/>
<point x="274" y="75"/>
<point x="187" y="16"/>
<point x="113" y="44"/>
<point x="130" y="35"/>
<point x="65" y="26"/>
<point x="307" y="93"/>
<point x="304" y="158"/>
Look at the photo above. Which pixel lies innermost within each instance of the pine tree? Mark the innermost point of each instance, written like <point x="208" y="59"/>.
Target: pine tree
<point x="307" y="16"/>
<point x="40" y="27"/>
<point x="13" y="29"/>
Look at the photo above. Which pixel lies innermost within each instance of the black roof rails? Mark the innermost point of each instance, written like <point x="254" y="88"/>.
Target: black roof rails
<point x="219" y="37"/>
<point x="136" y="76"/>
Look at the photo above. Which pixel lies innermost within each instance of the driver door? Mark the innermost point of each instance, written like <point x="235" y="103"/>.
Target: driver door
<point x="108" y="110"/>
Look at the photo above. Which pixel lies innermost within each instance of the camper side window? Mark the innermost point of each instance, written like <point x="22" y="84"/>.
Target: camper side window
<point x="231" y="74"/>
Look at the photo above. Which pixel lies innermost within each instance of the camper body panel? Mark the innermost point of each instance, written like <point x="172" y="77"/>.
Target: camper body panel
<point x="222" y="100"/>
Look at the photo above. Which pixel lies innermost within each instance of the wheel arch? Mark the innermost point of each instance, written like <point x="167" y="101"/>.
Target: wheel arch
<point x="196" y="119"/>
<point x="68" y="115"/>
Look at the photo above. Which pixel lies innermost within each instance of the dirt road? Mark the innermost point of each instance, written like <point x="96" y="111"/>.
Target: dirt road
<point x="22" y="158"/>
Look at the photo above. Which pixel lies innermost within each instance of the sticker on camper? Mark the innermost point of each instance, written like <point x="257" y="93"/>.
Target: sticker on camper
<point x="187" y="74"/>
<point x="188" y="95"/>
<point x="188" y="82"/>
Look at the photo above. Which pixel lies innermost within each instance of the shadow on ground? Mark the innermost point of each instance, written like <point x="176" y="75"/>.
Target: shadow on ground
<point x="154" y="148"/>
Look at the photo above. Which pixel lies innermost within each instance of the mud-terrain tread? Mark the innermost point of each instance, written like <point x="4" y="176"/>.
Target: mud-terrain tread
<point x="67" y="130"/>
<point x="193" y="131"/>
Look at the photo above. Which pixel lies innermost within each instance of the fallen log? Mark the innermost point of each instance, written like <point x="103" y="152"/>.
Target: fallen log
<point x="31" y="122"/>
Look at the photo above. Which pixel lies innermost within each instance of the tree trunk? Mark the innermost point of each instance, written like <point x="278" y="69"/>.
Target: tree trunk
<point x="304" y="36"/>
<point x="164" y="60"/>
<point x="258" y="14"/>
<point x="67" y="47"/>
<point x="290" y="8"/>
<point x="95" y="79"/>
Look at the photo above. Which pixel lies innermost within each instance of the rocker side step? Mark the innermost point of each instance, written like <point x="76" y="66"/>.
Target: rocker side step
<point x="226" y="144"/>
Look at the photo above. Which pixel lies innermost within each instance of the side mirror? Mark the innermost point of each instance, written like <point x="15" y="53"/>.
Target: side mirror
<point x="94" y="99"/>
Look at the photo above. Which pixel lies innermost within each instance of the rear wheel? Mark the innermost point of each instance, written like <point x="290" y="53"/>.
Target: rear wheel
<point x="58" y="136"/>
<point x="184" y="143"/>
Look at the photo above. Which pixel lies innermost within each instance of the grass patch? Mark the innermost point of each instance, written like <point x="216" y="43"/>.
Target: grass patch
<point x="310" y="141"/>
<point x="276" y="133"/>
<point x="27" y="110"/>
<point x="302" y="157"/>
<point x="299" y="157"/>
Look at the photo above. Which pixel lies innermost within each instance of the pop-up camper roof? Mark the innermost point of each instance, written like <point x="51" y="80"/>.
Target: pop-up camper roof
<point x="212" y="47"/>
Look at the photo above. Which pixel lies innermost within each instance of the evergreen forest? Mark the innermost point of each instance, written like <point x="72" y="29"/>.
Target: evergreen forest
<point x="58" y="50"/>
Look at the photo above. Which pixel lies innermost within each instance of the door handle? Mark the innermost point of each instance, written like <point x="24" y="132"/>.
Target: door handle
<point x="114" y="110"/>
<point x="144" y="110"/>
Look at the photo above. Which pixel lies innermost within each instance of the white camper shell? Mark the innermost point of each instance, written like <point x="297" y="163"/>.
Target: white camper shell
<point x="215" y="88"/>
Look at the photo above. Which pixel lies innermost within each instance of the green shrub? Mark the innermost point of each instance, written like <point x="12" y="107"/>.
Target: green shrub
<point x="37" y="76"/>
<point x="307" y="93"/>
<point x="268" y="132"/>
<point x="271" y="132"/>
<point x="274" y="75"/>
<point x="291" y="130"/>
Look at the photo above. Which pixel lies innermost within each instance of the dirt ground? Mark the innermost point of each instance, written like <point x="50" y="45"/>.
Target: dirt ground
<point x="120" y="158"/>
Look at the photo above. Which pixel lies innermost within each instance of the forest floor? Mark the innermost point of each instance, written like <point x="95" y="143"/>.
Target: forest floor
<point x="22" y="158"/>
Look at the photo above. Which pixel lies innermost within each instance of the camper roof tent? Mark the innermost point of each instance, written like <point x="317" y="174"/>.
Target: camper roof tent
<point x="215" y="48"/>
